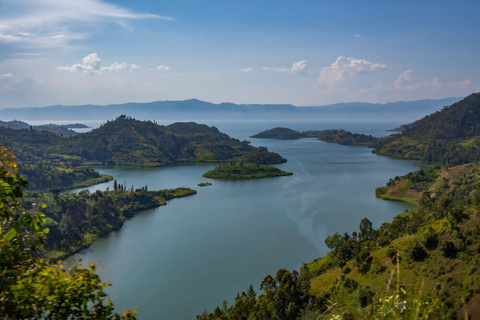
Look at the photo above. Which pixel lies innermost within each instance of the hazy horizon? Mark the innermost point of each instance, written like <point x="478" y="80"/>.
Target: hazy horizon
<point x="304" y="53"/>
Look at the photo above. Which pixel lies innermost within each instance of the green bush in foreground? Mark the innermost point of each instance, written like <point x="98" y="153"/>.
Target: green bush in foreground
<point x="30" y="287"/>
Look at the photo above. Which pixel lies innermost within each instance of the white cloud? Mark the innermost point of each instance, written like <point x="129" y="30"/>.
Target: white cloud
<point x="160" y="68"/>
<point x="336" y="76"/>
<point x="296" y="67"/>
<point x="91" y="64"/>
<point x="245" y="70"/>
<point x="406" y="82"/>
<point x="6" y="76"/>
<point x="120" y="66"/>
<point x="52" y="23"/>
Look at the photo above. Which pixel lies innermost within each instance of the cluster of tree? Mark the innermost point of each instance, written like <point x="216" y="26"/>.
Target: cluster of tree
<point x="283" y="297"/>
<point x="75" y="220"/>
<point x="30" y="287"/>
<point x="261" y="155"/>
<point x="339" y="136"/>
<point x="244" y="170"/>
<point x="343" y="137"/>
<point x="42" y="176"/>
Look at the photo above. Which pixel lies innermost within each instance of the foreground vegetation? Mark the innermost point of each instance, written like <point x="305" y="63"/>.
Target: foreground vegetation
<point x="30" y="287"/>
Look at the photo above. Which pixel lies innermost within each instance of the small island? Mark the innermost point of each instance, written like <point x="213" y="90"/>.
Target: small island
<point x="245" y="170"/>
<point x="204" y="184"/>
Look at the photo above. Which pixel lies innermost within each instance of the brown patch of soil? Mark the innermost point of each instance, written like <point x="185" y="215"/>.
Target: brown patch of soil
<point x="472" y="308"/>
<point x="414" y="193"/>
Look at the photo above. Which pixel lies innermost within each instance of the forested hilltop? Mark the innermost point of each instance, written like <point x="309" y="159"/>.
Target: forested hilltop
<point x="126" y="141"/>
<point x="448" y="137"/>
<point x="424" y="264"/>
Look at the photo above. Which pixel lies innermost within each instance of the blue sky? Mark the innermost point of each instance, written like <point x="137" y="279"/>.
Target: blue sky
<point x="298" y="52"/>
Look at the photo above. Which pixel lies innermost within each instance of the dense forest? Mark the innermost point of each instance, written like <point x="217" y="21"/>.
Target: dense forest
<point x="75" y="220"/>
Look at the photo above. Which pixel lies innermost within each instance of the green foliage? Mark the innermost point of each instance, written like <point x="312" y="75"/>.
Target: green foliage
<point x="126" y="141"/>
<point x="44" y="177"/>
<point x="343" y="137"/>
<point x="77" y="219"/>
<point x="448" y="249"/>
<point x="261" y="155"/>
<point x="448" y="137"/>
<point x="280" y="134"/>
<point x="284" y="297"/>
<point x="335" y="242"/>
<point x="244" y="171"/>
<point x="334" y="136"/>
<point x="365" y="295"/>
<point x="31" y="287"/>
<point x="416" y="252"/>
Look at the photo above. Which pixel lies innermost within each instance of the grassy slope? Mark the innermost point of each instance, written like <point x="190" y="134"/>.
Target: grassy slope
<point x="448" y="280"/>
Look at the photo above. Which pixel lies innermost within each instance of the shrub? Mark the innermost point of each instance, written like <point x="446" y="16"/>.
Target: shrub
<point x="430" y="240"/>
<point x="416" y="252"/>
<point x="448" y="249"/>
<point x="365" y="296"/>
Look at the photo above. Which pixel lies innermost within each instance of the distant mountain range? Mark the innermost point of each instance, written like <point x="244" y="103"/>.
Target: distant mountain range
<point x="200" y="110"/>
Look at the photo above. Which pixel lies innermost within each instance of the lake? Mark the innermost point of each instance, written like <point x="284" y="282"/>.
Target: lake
<point x="175" y="261"/>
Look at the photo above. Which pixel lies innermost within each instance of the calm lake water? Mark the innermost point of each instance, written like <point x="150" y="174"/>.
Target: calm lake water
<point x="175" y="261"/>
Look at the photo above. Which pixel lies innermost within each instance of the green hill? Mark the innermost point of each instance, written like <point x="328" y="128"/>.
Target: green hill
<point x="126" y="141"/>
<point x="448" y="137"/>
<point x="279" y="134"/>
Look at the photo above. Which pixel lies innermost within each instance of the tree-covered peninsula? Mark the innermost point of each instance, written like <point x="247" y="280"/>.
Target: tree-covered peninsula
<point x="339" y="136"/>
<point x="75" y="220"/>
